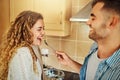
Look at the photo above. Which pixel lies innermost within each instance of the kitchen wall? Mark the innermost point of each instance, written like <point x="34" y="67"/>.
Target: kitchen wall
<point x="76" y="45"/>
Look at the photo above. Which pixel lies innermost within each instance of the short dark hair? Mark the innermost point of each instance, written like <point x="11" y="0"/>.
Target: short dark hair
<point x="111" y="5"/>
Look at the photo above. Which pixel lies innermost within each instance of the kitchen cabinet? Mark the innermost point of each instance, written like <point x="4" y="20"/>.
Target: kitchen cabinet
<point x="4" y="17"/>
<point x="56" y="14"/>
<point x="17" y="6"/>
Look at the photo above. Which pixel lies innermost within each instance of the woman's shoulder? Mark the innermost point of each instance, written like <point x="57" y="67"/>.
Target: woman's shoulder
<point x="23" y="50"/>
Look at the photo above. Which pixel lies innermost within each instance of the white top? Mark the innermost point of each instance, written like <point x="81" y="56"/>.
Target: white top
<point x="21" y="66"/>
<point x="92" y="66"/>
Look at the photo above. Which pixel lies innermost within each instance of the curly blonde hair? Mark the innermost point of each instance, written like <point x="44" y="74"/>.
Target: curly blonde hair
<point x="18" y="35"/>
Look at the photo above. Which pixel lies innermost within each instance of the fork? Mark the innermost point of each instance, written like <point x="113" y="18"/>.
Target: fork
<point x="49" y="46"/>
<point x="53" y="49"/>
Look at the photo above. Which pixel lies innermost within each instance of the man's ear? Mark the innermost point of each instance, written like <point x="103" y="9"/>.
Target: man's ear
<point x="113" y="21"/>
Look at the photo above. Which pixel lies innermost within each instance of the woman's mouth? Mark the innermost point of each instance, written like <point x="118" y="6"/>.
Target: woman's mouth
<point x="40" y="39"/>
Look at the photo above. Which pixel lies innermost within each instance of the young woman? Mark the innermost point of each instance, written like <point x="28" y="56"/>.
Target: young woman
<point x="20" y="58"/>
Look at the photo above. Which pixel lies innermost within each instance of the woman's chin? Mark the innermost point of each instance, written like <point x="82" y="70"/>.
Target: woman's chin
<point x="37" y="43"/>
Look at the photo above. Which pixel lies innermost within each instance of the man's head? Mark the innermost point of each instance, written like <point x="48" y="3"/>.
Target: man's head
<point x="105" y="19"/>
<point x="109" y="5"/>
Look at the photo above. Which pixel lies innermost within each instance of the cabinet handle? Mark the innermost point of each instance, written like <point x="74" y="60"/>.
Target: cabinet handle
<point x="61" y="17"/>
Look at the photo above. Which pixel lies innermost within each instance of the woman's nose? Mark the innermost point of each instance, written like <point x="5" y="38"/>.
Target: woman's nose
<point x="43" y="32"/>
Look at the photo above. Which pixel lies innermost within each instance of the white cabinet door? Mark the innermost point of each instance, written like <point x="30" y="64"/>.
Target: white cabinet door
<point x="17" y="6"/>
<point x="56" y="16"/>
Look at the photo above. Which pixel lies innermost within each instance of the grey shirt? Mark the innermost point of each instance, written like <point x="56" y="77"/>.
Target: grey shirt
<point x="92" y="66"/>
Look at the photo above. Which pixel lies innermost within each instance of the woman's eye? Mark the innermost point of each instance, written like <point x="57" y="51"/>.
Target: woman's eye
<point x="40" y="29"/>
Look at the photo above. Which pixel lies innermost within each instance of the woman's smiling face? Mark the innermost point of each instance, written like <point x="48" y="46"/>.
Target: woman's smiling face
<point x="38" y="32"/>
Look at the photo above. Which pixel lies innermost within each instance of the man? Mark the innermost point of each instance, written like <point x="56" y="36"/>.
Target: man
<point x="103" y="60"/>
